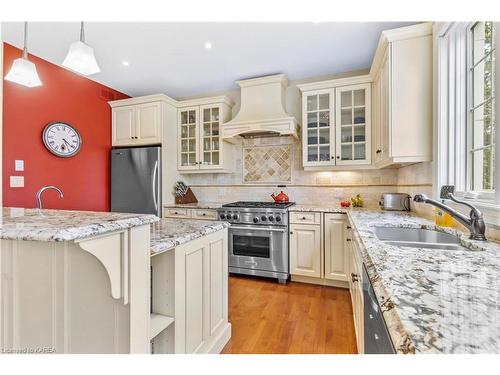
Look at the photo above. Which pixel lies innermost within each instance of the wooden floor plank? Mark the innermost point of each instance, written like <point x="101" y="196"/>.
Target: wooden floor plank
<point x="269" y="318"/>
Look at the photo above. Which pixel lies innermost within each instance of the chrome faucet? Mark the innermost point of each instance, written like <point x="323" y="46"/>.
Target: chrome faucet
<point x="39" y="194"/>
<point x="475" y="222"/>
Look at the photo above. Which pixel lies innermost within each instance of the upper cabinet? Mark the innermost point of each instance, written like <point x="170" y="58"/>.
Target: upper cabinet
<point x="402" y="96"/>
<point x="200" y="146"/>
<point x="337" y="123"/>
<point x="139" y="121"/>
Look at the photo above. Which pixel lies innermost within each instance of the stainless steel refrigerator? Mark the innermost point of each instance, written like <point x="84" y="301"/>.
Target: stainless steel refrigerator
<point x="136" y="180"/>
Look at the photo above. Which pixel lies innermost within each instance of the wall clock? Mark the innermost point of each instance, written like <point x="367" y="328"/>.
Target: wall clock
<point x="62" y="139"/>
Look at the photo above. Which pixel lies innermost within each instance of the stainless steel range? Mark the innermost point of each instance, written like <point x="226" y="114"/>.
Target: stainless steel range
<point x="258" y="238"/>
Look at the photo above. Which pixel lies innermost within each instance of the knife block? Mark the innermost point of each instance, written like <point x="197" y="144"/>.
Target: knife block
<point x="189" y="197"/>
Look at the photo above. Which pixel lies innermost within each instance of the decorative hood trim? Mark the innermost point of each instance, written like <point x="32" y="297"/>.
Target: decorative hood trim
<point x="262" y="110"/>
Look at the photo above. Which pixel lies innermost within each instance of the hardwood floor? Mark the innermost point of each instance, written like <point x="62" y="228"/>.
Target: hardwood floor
<point x="295" y="318"/>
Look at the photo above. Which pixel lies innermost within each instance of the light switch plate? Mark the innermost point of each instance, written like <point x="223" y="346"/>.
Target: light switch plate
<point x="16" y="181"/>
<point x="19" y="165"/>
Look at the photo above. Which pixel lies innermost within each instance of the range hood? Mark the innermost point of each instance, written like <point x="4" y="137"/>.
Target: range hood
<point x="262" y="110"/>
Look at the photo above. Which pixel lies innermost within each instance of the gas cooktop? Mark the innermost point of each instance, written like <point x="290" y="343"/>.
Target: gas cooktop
<point x="242" y="204"/>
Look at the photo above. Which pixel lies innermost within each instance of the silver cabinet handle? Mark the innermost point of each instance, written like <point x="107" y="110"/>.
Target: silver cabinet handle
<point x="261" y="229"/>
<point x="155" y="174"/>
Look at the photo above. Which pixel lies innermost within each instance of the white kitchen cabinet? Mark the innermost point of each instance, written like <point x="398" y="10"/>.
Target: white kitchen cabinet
<point x="336" y="256"/>
<point x="402" y="101"/>
<point x="337" y="123"/>
<point x="139" y="121"/>
<point x="353" y="113"/>
<point x="356" y="287"/>
<point x="189" y="213"/>
<point x="201" y="292"/>
<point x="200" y="147"/>
<point x="305" y="250"/>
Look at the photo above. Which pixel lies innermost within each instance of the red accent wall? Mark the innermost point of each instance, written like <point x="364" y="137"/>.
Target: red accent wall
<point x="68" y="97"/>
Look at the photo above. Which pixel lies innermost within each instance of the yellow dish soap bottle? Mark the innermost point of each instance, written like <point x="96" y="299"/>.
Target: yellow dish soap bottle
<point x="443" y="219"/>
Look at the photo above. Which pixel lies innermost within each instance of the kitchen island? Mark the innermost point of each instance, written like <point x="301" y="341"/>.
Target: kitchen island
<point x="80" y="282"/>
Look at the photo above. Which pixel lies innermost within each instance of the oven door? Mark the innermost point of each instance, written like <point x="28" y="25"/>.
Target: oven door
<point x="258" y="247"/>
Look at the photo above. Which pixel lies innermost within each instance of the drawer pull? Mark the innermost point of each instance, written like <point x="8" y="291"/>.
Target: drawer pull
<point x="348" y="240"/>
<point x="376" y="336"/>
<point x="354" y="278"/>
<point x="304" y="218"/>
<point x="348" y="227"/>
<point x="176" y="213"/>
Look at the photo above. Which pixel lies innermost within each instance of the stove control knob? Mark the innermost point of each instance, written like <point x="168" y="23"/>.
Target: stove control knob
<point x="235" y="217"/>
<point x="271" y="218"/>
<point x="222" y="216"/>
<point x="278" y="219"/>
<point x="255" y="219"/>
<point x="263" y="218"/>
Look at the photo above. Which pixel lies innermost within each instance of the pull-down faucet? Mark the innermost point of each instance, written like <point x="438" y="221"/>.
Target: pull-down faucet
<point x="475" y="222"/>
<point x="39" y="194"/>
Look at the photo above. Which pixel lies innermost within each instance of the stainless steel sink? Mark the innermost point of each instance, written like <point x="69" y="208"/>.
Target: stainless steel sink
<point x="414" y="237"/>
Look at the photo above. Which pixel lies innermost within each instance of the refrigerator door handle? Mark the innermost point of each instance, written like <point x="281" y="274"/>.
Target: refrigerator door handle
<point x="155" y="174"/>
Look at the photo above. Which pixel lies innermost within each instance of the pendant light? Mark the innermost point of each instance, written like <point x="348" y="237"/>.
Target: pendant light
<point x="24" y="71"/>
<point x="80" y="57"/>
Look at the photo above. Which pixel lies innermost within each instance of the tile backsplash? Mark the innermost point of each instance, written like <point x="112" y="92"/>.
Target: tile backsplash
<point x="267" y="164"/>
<point x="254" y="179"/>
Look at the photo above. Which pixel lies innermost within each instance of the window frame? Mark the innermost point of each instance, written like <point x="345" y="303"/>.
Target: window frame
<point x="451" y="146"/>
<point x="468" y="192"/>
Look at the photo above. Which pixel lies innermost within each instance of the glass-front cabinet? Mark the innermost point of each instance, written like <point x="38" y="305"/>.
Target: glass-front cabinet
<point x="318" y="129"/>
<point x="337" y="126"/>
<point x="201" y="147"/>
<point x="353" y="128"/>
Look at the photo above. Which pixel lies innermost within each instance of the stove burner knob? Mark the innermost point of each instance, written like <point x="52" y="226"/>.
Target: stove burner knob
<point x="235" y="217"/>
<point x="255" y="219"/>
<point x="222" y="216"/>
<point x="271" y="218"/>
<point x="263" y="218"/>
<point x="278" y="219"/>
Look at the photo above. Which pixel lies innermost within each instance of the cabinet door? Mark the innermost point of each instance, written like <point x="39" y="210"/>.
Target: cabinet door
<point x="123" y="128"/>
<point x="353" y="125"/>
<point x="317" y="133"/>
<point x="335" y="256"/>
<point x="305" y="250"/>
<point x="210" y="137"/>
<point x="148" y="123"/>
<point x="385" y="114"/>
<point x="188" y="138"/>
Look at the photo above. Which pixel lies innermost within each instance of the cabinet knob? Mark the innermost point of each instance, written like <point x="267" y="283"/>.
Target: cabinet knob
<point x="348" y="240"/>
<point x="354" y="277"/>
<point x="338" y="157"/>
<point x="304" y="218"/>
<point x="378" y="151"/>
<point x="291" y="232"/>
<point x="348" y="227"/>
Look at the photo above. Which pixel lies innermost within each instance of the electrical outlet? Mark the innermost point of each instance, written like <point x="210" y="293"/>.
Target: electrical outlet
<point x="16" y="181"/>
<point x="19" y="165"/>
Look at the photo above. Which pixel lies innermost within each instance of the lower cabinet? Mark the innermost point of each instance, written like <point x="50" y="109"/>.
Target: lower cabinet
<point x="317" y="248"/>
<point x="336" y="264"/>
<point x="189" y="213"/>
<point x="201" y="292"/>
<point x="305" y="250"/>
<point x="356" y="288"/>
<point x="190" y="297"/>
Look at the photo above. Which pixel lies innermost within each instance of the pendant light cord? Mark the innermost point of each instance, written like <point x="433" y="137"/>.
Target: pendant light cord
<point x="25" y="49"/>
<point x="82" y="33"/>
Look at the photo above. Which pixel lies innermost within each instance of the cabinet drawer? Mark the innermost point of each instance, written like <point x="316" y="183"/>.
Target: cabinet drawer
<point x="182" y="213"/>
<point x="305" y="217"/>
<point x="204" y="214"/>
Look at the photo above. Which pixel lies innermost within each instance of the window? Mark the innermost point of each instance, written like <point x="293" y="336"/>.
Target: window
<point x="481" y="119"/>
<point x="467" y="137"/>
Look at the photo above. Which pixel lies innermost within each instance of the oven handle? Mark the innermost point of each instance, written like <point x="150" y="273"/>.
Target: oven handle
<point x="262" y="229"/>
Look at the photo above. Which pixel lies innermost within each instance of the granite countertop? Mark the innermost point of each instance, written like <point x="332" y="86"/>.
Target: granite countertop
<point x="433" y="301"/>
<point x="199" y="205"/>
<point x="166" y="234"/>
<point x="30" y="224"/>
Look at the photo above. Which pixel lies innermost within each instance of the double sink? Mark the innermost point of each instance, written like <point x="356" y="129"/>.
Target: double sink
<point x="418" y="238"/>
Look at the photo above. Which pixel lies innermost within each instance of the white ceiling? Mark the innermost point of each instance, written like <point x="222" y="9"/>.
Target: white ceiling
<point x="171" y="58"/>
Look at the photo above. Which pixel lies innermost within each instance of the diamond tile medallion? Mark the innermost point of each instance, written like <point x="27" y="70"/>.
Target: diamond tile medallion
<point x="267" y="164"/>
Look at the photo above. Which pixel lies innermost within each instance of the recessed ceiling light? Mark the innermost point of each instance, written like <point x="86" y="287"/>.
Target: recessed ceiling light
<point x="125" y="63"/>
<point x="208" y="45"/>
